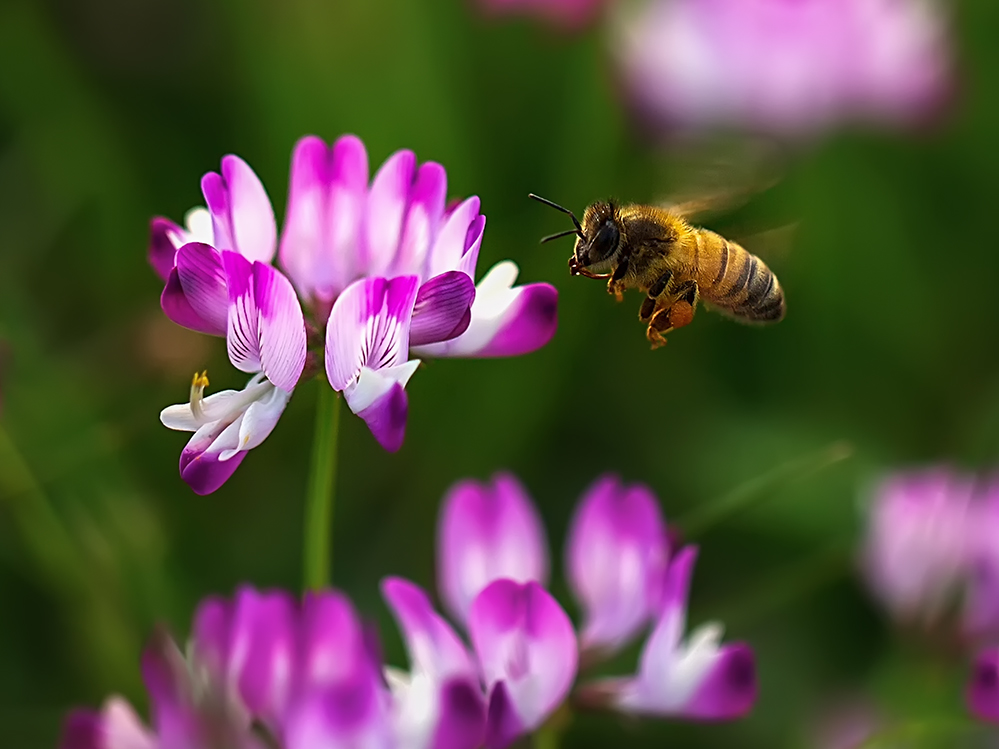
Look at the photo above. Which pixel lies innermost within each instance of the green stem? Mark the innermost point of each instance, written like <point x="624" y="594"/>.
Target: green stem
<point x="318" y="563"/>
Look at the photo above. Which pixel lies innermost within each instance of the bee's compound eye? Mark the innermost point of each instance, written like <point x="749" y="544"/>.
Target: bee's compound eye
<point x="605" y="242"/>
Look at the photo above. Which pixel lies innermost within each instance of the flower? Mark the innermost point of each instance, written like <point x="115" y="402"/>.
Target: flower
<point x="783" y="67"/>
<point x="916" y="552"/>
<point x="930" y="544"/>
<point x="380" y="271"/>
<point x="225" y="425"/>
<point x="493" y="533"/>
<point x="264" y="671"/>
<point x="983" y="691"/>
<point x="567" y="14"/>
<point x="699" y="678"/>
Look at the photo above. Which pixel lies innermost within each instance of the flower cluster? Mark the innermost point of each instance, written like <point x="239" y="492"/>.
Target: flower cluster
<point x="379" y="273"/>
<point x="783" y="67"/>
<point x="931" y="539"/>
<point x="263" y="671"/>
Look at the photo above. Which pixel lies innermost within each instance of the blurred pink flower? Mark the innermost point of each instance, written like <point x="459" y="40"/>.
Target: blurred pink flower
<point x="917" y="550"/>
<point x="568" y="14"/>
<point x="263" y="670"/>
<point x="784" y="66"/>
<point x="619" y="566"/>
<point x="930" y="549"/>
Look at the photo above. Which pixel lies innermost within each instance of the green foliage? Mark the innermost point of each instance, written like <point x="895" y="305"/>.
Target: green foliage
<point x="110" y="112"/>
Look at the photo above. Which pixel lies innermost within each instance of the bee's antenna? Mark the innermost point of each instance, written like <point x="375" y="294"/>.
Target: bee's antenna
<point x="570" y="214"/>
<point x="561" y="234"/>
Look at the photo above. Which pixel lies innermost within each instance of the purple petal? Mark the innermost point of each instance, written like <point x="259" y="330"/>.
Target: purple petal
<point x="451" y="243"/>
<point x="242" y="216"/>
<point x="115" y="727"/>
<point x="162" y="252"/>
<point x="423" y="218"/>
<point x="616" y="559"/>
<point x="320" y="244"/>
<point x="503" y="725"/>
<point x="281" y="327"/>
<point x="433" y="646"/>
<point x="524" y="639"/>
<point x="462" y="720"/>
<point x="442" y="310"/>
<point x="697" y="679"/>
<point x="333" y="644"/>
<point x="385" y="210"/>
<point x="729" y="688"/>
<point x="983" y="691"/>
<point x="348" y="197"/>
<point x="674" y="602"/>
<point x="473" y="243"/>
<point x="917" y="550"/>
<point x="351" y="714"/>
<point x="178" y="309"/>
<point x="206" y="472"/>
<point x="165" y="675"/>
<point x="386" y="414"/>
<point x="83" y="729"/>
<point x="506" y="320"/>
<point x="486" y="533"/>
<point x="242" y="332"/>
<point x="369" y="327"/>
<point x="262" y="650"/>
<point x="202" y="277"/>
<point x="210" y="632"/>
<point x="527" y="324"/>
<point x="302" y="252"/>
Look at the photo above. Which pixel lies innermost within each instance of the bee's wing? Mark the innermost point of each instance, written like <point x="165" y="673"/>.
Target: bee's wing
<point x="724" y="200"/>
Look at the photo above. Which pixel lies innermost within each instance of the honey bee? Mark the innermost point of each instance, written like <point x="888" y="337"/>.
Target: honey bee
<point x="656" y="251"/>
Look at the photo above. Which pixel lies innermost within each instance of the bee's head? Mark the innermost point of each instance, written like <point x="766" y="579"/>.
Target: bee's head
<point x="598" y="244"/>
<point x="598" y="238"/>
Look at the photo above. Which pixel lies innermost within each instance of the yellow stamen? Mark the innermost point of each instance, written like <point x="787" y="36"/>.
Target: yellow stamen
<point x="198" y="385"/>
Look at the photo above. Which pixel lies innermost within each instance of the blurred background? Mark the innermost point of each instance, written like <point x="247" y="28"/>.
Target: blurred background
<point x="110" y="112"/>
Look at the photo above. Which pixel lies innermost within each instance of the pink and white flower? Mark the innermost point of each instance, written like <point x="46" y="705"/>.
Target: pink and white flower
<point x="492" y="533"/>
<point x="382" y="270"/>
<point x="784" y="67"/>
<point x="696" y="678"/>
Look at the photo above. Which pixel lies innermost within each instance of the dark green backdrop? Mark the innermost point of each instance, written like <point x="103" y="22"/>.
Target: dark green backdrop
<point x="110" y="112"/>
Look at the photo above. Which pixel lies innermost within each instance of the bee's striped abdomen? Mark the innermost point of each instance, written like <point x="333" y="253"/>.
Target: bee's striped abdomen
<point x="737" y="281"/>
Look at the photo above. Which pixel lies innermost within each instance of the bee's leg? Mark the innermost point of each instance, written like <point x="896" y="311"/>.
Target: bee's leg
<point x="677" y="315"/>
<point x="655" y="292"/>
<point x="616" y="286"/>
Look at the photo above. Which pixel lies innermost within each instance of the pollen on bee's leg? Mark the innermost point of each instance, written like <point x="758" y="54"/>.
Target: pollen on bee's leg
<point x="680" y="314"/>
<point x="198" y="385"/>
